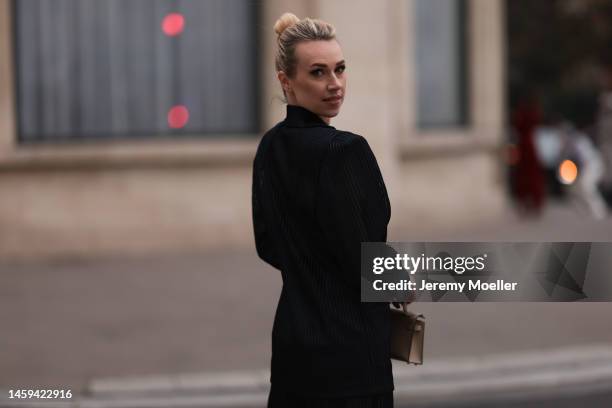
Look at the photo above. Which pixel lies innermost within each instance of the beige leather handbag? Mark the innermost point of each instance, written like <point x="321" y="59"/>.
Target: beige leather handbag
<point x="407" y="335"/>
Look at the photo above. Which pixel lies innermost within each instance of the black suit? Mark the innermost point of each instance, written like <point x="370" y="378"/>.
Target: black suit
<point x="317" y="194"/>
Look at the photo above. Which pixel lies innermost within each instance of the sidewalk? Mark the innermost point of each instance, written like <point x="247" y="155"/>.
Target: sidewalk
<point x="68" y="323"/>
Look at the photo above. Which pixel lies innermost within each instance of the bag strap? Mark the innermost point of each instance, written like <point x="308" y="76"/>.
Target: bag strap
<point x="417" y="317"/>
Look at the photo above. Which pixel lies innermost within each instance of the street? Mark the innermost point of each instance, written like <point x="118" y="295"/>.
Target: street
<point x="69" y="322"/>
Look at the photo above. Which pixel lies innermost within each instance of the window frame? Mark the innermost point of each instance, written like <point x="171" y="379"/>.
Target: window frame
<point x="233" y="150"/>
<point x="485" y="56"/>
<point x="75" y="138"/>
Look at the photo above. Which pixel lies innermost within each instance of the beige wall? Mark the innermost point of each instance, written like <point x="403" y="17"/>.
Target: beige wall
<point x="131" y="210"/>
<point x="123" y="197"/>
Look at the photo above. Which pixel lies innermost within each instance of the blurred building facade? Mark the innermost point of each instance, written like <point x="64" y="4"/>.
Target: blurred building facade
<point x="425" y="87"/>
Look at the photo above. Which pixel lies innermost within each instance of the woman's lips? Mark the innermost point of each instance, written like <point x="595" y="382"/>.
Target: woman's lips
<point x="333" y="99"/>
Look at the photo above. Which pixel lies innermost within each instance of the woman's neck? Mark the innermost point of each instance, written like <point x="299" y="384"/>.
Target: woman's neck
<point x="325" y="119"/>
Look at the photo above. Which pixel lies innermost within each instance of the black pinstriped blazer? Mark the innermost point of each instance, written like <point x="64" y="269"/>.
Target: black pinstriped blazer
<point x="317" y="194"/>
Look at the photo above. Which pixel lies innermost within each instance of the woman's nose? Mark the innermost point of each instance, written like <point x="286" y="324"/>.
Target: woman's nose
<point x="334" y="82"/>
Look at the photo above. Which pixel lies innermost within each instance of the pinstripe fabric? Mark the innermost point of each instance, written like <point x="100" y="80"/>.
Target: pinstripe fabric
<point x="279" y="398"/>
<point x="317" y="194"/>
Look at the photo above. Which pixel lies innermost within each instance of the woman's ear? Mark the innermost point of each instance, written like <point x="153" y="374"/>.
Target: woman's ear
<point x="284" y="81"/>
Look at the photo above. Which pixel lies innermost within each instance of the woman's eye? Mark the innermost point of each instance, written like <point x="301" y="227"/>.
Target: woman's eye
<point x="341" y="69"/>
<point x="317" y="72"/>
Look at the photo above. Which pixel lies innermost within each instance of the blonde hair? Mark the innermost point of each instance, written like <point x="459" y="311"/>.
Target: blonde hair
<point x="291" y="31"/>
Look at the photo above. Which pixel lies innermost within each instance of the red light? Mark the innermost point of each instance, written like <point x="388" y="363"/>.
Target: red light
<point x="178" y="116"/>
<point x="173" y="24"/>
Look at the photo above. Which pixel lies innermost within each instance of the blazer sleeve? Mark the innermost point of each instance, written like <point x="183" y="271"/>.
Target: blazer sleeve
<point x="352" y="202"/>
<point x="266" y="249"/>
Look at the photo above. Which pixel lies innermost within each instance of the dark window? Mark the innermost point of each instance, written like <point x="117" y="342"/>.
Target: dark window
<point x="440" y="59"/>
<point x="108" y="69"/>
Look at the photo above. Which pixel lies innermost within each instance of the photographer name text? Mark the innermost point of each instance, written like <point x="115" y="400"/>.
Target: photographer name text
<point x="404" y="284"/>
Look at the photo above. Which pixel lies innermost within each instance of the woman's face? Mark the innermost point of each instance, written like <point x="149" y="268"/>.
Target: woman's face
<point x="319" y="82"/>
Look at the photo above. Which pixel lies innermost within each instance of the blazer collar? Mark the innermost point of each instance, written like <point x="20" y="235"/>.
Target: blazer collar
<point x="298" y="116"/>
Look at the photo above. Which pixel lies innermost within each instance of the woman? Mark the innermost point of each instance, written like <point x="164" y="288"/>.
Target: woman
<point x="317" y="194"/>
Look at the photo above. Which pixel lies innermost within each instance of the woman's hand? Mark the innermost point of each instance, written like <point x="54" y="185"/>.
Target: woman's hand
<point x="411" y="298"/>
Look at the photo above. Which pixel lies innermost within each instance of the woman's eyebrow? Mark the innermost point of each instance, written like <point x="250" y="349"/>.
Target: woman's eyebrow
<point x="318" y="64"/>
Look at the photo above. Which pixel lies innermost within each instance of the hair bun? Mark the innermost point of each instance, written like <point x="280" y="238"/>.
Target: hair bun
<point x="285" y="21"/>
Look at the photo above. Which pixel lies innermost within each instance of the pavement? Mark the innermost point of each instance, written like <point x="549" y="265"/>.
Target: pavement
<point x="178" y="318"/>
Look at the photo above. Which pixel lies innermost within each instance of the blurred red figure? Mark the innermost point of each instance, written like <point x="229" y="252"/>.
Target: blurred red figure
<point x="529" y="181"/>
